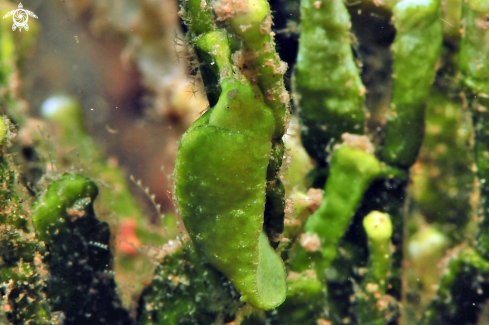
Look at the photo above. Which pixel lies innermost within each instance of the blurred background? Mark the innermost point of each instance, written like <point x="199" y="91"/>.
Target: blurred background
<point x="118" y="59"/>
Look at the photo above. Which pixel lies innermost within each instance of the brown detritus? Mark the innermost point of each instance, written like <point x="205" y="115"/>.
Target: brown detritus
<point x="281" y="69"/>
<point x="75" y="213"/>
<point x="157" y="254"/>
<point x="361" y="142"/>
<point x="389" y="306"/>
<point x="480" y="108"/>
<point x="41" y="268"/>
<point x="362" y="271"/>
<point x="266" y="26"/>
<point x="372" y="287"/>
<point x="113" y="162"/>
<point x="176" y="280"/>
<point x="224" y="72"/>
<point x="310" y="242"/>
<point x="314" y="199"/>
<point x="284" y="97"/>
<point x="270" y="94"/>
<point x="482" y="23"/>
<point x="451" y="254"/>
<point x="293" y="275"/>
<point x="289" y="221"/>
<point x="311" y="274"/>
<point x="289" y="206"/>
<point x="269" y="63"/>
<point x="227" y="9"/>
<point x="308" y="273"/>
<point x="240" y="62"/>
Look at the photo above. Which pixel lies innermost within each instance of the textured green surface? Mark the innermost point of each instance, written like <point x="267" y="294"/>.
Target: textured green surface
<point x="21" y="285"/>
<point x="79" y="260"/>
<point x="329" y="91"/>
<point x="443" y="180"/>
<point x="59" y="197"/>
<point x="474" y="48"/>
<point x="222" y="198"/>
<point x="351" y="173"/>
<point x="214" y="58"/>
<point x="415" y="51"/>
<point x="457" y="298"/>
<point x="15" y="229"/>
<point x="254" y="29"/>
<point x="22" y="300"/>
<point x="221" y="177"/>
<point x="233" y="191"/>
<point x="187" y="290"/>
<point x="474" y="55"/>
<point x="200" y="18"/>
<point x="21" y="289"/>
<point x="305" y="302"/>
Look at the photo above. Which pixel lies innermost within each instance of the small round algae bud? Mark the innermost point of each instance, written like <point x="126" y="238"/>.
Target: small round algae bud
<point x="378" y="226"/>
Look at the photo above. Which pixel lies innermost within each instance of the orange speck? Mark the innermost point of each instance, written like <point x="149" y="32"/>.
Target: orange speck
<point x="127" y="241"/>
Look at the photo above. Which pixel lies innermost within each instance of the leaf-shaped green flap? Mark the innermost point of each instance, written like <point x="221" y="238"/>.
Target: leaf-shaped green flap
<point x="220" y="179"/>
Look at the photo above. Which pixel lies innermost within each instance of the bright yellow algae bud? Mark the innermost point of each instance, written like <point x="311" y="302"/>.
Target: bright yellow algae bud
<point x="378" y="226"/>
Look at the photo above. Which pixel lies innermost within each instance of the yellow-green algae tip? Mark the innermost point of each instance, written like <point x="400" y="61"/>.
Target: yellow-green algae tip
<point x="378" y="226"/>
<point x="3" y="129"/>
